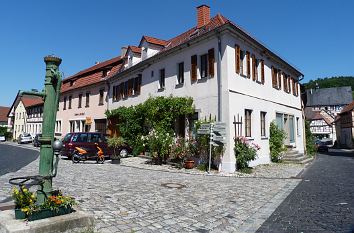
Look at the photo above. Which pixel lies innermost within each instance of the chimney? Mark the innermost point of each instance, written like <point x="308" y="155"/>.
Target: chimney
<point x="203" y="15"/>
<point x="123" y="50"/>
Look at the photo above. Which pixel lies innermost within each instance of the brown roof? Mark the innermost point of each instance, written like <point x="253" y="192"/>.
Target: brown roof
<point x="348" y="108"/>
<point x="3" y="113"/>
<point x="134" y="49"/>
<point x="31" y="101"/>
<point x="91" y="75"/>
<point x="156" y="41"/>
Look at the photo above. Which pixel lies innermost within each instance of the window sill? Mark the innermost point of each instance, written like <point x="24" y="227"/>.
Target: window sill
<point x="249" y="138"/>
<point x="179" y="85"/>
<point x="161" y="89"/>
<point x="259" y="82"/>
<point x="202" y="80"/>
<point x="264" y="138"/>
<point x="87" y="106"/>
<point x="100" y="104"/>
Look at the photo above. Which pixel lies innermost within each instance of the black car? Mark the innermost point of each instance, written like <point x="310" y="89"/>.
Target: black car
<point x="321" y="146"/>
<point x="36" y="142"/>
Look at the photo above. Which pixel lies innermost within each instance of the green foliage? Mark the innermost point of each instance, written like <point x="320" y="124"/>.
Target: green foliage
<point x="3" y="131"/>
<point x="115" y="143"/>
<point x="245" y="151"/>
<point x="310" y="140"/>
<point x="158" y="113"/>
<point x="276" y="142"/>
<point x="339" y="81"/>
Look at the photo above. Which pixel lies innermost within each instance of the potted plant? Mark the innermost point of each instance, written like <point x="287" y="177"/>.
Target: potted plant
<point x="116" y="143"/>
<point x="27" y="208"/>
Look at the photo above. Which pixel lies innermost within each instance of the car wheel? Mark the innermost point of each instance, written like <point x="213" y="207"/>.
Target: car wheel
<point x="123" y="153"/>
<point x="75" y="158"/>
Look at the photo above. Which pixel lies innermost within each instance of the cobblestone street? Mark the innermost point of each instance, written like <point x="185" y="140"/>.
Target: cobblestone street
<point x="127" y="199"/>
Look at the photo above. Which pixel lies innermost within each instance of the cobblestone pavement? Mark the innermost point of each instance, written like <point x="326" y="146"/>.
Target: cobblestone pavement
<point x="323" y="201"/>
<point x="127" y="199"/>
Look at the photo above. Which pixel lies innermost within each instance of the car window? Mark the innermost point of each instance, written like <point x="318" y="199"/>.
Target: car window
<point x="82" y="137"/>
<point x="26" y="135"/>
<point x="95" y="137"/>
<point x="67" y="137"/>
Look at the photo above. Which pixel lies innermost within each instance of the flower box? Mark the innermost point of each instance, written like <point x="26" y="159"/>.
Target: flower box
<point x="41" y="214"/>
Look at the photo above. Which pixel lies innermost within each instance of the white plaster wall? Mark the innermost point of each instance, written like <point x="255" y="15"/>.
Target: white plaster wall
<point x="20" y="122"/>
<point x="95" y="111"/>
<point x="203" y="92"/>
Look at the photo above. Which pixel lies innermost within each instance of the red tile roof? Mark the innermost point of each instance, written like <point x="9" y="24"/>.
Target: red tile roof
<point x="156" y="41"/>
<point x="134" y="49"/>
<point x="3" y="113"/>
<point x="31" y="101"/>
<point x="91" y="75"/>
<point x="348" y="108"/>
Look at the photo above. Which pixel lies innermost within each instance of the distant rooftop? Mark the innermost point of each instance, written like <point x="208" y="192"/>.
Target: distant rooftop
<point x="329" y="96"/>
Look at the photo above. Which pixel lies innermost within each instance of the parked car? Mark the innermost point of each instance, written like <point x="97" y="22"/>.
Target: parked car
<point x="87" y="141"/>
<point x="321" y="146"/>
<point x="36" y="142"/>
<point x="24" y="138"/>
<point x="2" y="138"/>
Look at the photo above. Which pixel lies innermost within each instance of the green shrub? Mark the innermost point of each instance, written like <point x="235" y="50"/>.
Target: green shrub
<point x="245" y="151"/>
<point x="276" y="142"/>
<point x="310" y="140"/>
<point x="115" y="143"/>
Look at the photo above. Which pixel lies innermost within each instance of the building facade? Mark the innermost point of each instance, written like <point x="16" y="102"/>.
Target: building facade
<point x="3" y="117"/>
<point x="322" y="107"/>
<point x="228" y="74"/>
<point x="345" y="126"/>
<point x="26" y="115"/>
<point x="83" y="100"/>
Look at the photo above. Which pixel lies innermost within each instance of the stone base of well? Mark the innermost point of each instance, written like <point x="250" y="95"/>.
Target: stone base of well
<point x="64" y="223"/>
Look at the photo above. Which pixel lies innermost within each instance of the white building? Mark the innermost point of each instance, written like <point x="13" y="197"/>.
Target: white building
<point x="26" y="114"/>
<point x="226" y="71"/>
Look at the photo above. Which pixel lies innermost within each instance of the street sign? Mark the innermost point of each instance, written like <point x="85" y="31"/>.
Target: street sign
<point x="203" y="131"/>
<point x="220" y="124"/>
<point x="219" y="131"/>
<point x="217" y="138"/>
<point x="205" y="126"/>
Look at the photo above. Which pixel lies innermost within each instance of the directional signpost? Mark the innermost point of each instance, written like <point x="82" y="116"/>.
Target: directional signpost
<point x="217" y="132"/>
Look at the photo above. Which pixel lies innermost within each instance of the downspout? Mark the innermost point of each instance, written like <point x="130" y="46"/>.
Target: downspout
<point x="219" y="80"/>
<point x="107" y="97"/>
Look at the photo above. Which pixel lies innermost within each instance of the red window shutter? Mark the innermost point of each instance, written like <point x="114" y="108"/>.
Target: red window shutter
<point x="248" y="64"/>
<point x="253" y="67"/>
<point x="211" y="61"/>
<point x="194" y="68"/>
<point x="262" y="71"/>
<point x="237" y="58"/>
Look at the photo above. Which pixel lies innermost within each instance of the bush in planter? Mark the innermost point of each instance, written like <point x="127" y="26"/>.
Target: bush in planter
<point x="245" y="151"/>
<point x="115" y="143"/>
<point x="276" y="142"/>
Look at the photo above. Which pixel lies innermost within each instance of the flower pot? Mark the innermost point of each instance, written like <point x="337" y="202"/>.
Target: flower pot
<point x="41" y="214"/>
<point x="115" y="161"/>
<point x="189" y="164"/>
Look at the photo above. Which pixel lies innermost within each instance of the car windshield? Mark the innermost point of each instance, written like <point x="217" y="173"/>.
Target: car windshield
<point x="26" y="135"/>
<point x="67" y="137"/>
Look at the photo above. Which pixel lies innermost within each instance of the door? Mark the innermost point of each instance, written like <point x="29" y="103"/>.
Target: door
<point x="291" y="129"/>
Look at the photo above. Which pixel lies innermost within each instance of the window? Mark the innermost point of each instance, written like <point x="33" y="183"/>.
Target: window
<point x="279" y="79"/>
<point x="274" y="77"/>
<point x="125" y="90"/>
<point x="254" y="68"/>
<point x="162" y="79"/>
<point x="130" y="61"/>
<point x="105" y="73"/>
<point x="87" y="99"/>
<point x="263" y="124"/>
<point x="70" y="98"/>
<point x="80" y="101"/>
<point x="115" y="93"/>
<point x="137" y="85"/>
<point x="194" y="68"/>
<point x="152" y="73"/>
<point x="64" y="107"/>
<point x="101" y="97"/>
<point x="130" y="87"/>
<point x="180" y="74"/>
<point x="285" y="78"/>
<point x="297" y="126"/>
<point x="211" y="61"/>
<point x="248" y="122"/>
<point x="204" y="66"/>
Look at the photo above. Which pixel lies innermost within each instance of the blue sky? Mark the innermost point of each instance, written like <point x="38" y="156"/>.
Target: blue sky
<point x="316" y="36"/>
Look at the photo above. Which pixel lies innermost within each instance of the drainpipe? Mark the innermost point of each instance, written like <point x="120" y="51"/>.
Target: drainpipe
<point x="219" y="81"/>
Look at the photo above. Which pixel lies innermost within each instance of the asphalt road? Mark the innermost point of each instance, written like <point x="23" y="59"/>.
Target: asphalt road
<point x="322" y="202"/>
<point x="13" y="158"/>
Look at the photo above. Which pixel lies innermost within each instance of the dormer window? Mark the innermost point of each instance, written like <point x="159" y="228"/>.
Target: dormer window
<point x="130" y="61"/>
<point x="144" y="55"/>
<point x="71" y="83"/>
<point x="105" y="73"/>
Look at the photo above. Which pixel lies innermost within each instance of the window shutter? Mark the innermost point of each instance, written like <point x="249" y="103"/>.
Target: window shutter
<point x="248" y="64"/>
<point x="194" y="68"/>
<point x="289" y="84"/>
<point x="211" y="60"/>
<point x="285" y="82"/>
<point x="253" y="67"/>
<point x="273" y="77"/>
<point x="262" y="71"/>
<point x="237" y="58"/>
